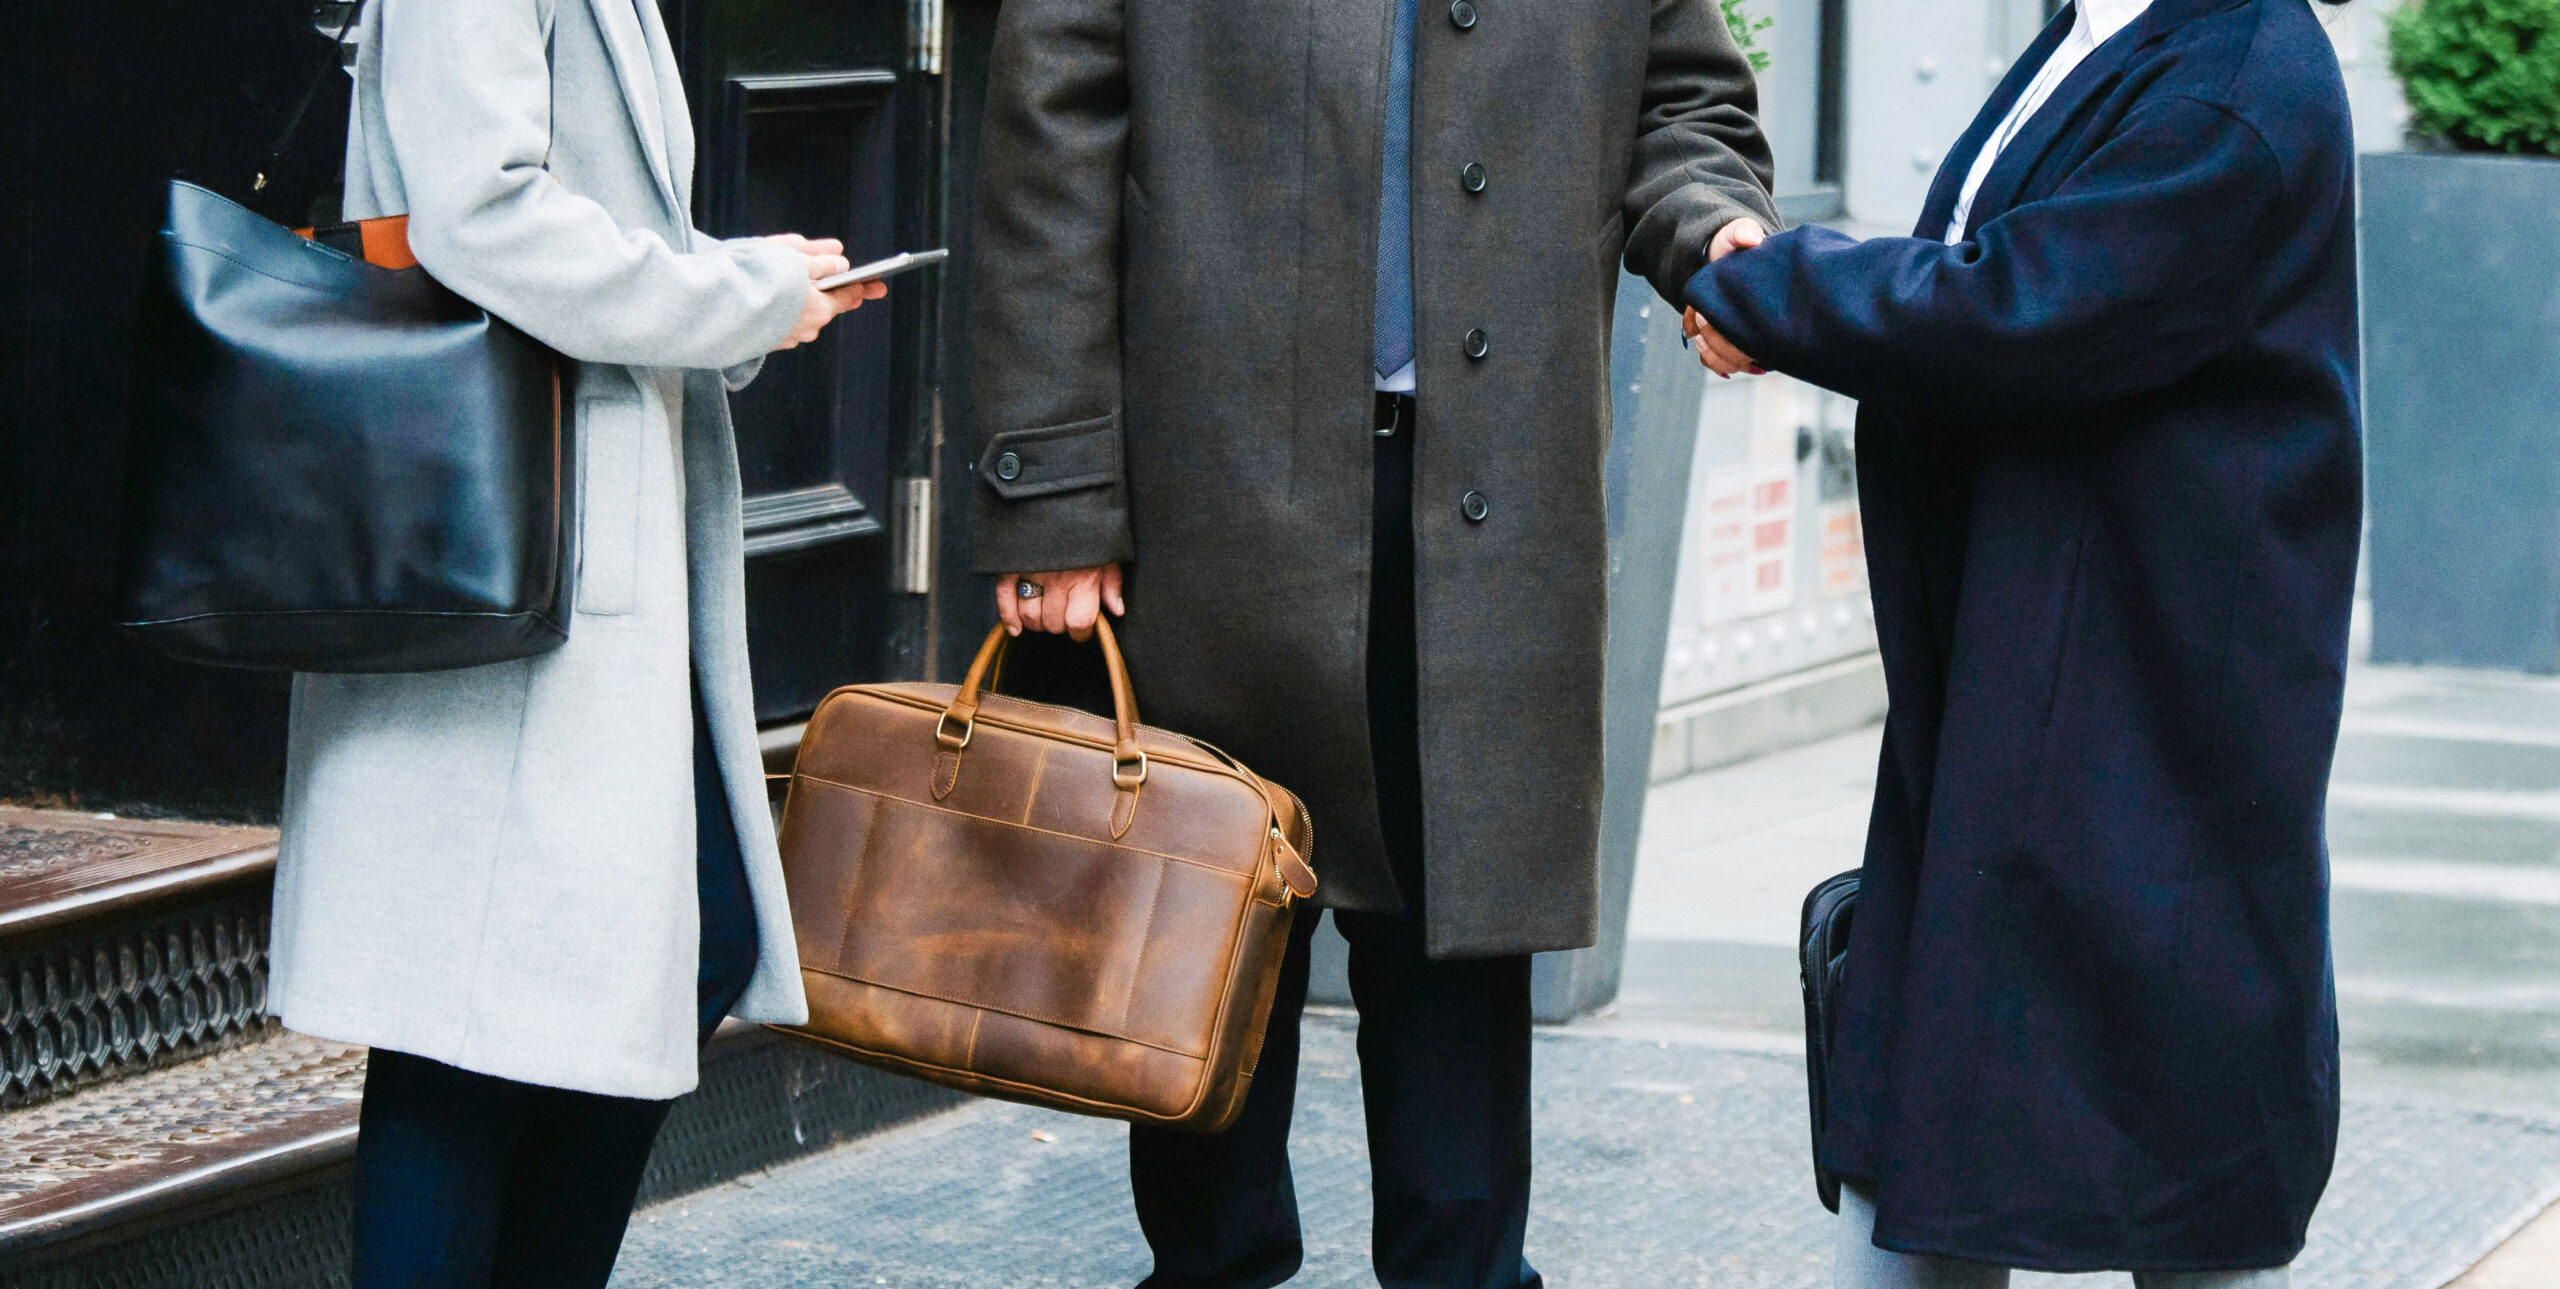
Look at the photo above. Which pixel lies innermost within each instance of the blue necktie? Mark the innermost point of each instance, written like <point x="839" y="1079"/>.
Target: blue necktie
<point x="1395" y="206"/>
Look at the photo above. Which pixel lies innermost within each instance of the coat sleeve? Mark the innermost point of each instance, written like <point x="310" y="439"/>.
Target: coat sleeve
<point x="736" y="376"/>
<point x="1699" y="160"/>
<point x="466" y="97"/>
<point x="1045" y="305"/>
<point x="2133" y="274"/>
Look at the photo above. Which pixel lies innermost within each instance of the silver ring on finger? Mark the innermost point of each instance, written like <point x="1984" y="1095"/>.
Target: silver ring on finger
<point x="1026" y="589"/>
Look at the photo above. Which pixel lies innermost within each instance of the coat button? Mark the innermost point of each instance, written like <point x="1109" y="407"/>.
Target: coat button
<point x="1462" y="14"/>
<point x="1471" y="176"/>
<point x="1477" y="345"/>
<point x="1474" y="507"/>
<point x="1008" y="467"/>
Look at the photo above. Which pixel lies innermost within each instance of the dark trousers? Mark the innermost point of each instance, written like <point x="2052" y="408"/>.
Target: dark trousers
<point x="465" y="1180"/>
<point x="1444" y="1046"/>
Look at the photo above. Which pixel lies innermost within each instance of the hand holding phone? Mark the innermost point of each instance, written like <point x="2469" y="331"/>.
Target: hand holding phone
<point x="823" y="257"/>
<point x="902" y="262"/>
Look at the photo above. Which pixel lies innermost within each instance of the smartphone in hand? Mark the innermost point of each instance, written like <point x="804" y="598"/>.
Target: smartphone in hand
<point x="902" y="262"/>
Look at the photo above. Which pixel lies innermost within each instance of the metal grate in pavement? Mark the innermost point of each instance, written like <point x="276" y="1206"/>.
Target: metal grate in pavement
<point x="1659" y="1165"/>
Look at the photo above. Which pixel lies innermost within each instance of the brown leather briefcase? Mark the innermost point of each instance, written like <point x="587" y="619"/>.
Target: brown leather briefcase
<point x="1035" y="903"/>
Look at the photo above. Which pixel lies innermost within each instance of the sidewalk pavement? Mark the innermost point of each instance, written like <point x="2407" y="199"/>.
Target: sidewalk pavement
<point x="1671" y="1144"/>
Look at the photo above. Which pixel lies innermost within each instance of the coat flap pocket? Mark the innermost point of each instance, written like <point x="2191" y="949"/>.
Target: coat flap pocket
<point x="1053" y="458"/>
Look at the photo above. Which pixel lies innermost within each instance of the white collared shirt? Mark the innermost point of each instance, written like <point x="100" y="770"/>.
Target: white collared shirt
<point x="2093" y="23"/>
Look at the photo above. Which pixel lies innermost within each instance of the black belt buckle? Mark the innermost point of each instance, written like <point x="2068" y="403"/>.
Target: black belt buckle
<point x="1394" y="412"/>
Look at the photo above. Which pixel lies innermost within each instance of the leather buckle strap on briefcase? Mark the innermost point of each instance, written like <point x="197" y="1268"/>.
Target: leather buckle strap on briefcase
<point x="1034" y="903"/>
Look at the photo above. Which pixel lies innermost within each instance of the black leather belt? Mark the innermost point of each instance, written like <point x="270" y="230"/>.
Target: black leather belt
<point x="1395" y="415"/>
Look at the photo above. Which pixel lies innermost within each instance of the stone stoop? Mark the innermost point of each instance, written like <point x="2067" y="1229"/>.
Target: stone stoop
<point x="2444" y="835"/>
<point x="157" y="1131"/>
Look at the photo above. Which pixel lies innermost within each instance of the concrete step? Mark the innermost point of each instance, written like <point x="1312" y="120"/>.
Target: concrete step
<point x="2444" y="833"/>
<point x="2446" y="696"/>
<point x="2442" y="764"/>
<point x="2384" y="821"/>
<point x="2429" y="754"/>
<point x="2410" y="728"/>
<point x="2491" y="955"/>
<point x="2374" y="1023"/>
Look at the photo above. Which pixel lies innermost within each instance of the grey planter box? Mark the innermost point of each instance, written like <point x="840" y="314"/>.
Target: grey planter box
<point x="2461" y="266"/>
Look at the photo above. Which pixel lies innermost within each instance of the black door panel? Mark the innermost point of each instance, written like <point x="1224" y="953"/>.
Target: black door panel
<point x="804" y="115"/>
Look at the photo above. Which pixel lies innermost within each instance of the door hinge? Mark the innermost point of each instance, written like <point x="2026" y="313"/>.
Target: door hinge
<point x="924" y="36"/>
<point x="911" y="529"/>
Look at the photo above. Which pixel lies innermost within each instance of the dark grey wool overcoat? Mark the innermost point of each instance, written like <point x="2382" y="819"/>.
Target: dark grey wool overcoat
<point x="1176" y="254"/>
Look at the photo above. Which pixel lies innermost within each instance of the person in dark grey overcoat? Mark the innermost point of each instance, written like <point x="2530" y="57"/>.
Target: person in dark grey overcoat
<point x="2108" y="460"/>
<point x="1292" y="333"/>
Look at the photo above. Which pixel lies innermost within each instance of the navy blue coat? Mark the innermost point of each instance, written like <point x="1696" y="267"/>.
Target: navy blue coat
<point x="2108" y="460"/>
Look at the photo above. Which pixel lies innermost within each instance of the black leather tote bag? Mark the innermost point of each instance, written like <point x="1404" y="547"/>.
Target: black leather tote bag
<point x="1822" y="946"/>
<point x="338" y="466"/>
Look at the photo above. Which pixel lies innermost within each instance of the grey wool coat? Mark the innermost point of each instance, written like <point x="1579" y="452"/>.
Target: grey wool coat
<point x="494" y="867"/>
<point x="1176" y="272"/>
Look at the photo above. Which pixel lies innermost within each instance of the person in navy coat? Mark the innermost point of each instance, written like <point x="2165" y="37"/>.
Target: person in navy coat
<point x="2109" y="467"/>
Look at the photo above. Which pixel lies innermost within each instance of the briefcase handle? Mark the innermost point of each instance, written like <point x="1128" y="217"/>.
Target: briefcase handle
<point x="959" y="720"/>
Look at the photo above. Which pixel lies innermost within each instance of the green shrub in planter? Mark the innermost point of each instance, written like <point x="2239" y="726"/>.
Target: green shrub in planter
<point x="2482" y="74"/>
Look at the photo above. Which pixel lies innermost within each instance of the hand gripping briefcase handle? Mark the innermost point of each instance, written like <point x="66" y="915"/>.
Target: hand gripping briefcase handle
<point x="979" y="901"/>
<point x="959" y="720"/>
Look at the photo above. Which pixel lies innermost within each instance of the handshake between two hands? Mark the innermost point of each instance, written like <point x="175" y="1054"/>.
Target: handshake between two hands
<point x="826" y="259"/>
<point x="1716" y="353"/>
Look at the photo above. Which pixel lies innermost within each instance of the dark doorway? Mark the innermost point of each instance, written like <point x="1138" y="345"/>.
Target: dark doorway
<point x="816" y="118"/>
<point x="854" y="118"/>
<point x="106" y="103"/>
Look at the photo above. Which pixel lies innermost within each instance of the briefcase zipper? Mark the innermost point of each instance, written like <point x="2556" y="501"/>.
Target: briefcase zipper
<point x="1277" y="877"/>
<point x="1288" y="894"/>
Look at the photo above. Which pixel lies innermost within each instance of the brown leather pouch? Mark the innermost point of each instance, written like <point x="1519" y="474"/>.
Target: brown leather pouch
<point x="1034" y="903"/>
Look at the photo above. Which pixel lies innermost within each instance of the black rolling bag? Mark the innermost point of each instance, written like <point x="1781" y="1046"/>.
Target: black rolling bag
<point x="1822" y="951"/>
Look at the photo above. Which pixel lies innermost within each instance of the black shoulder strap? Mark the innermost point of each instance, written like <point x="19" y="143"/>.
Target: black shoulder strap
<point x="302" y="107"/>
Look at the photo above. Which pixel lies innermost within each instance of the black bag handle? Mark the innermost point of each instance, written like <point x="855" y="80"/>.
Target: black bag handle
<point x="302" y="107"/>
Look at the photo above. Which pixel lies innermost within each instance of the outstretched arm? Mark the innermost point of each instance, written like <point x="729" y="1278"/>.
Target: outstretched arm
<point x="1699" y="161"/>
<point x="2129" y="277"/>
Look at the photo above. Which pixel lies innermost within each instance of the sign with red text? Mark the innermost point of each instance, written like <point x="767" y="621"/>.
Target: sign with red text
<point x="1746" y="553"/>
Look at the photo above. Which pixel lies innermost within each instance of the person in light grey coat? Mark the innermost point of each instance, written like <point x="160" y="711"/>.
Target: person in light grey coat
<point x="504" y="879"/>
